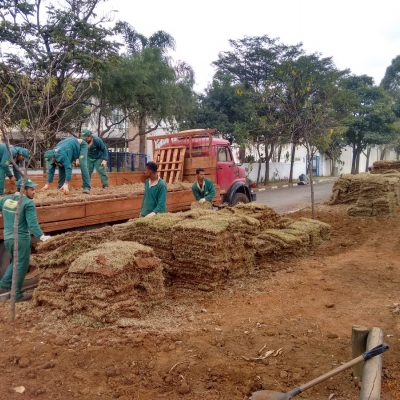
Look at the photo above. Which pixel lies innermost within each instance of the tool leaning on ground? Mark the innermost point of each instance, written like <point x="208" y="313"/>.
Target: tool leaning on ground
<point x="271" y="395"/>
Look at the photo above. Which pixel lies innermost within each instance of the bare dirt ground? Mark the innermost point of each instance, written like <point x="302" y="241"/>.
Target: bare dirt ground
<point x="200" y="345"/>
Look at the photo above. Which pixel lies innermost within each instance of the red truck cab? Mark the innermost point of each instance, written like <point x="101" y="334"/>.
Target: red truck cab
<point x="215" y="156"/>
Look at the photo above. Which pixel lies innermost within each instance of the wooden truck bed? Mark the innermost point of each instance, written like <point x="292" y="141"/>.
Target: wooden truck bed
<point x="75" y="215"/>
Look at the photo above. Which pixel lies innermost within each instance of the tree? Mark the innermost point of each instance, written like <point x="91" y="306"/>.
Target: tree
<point x="68" y="42"/>
<point x="372" y="118"/>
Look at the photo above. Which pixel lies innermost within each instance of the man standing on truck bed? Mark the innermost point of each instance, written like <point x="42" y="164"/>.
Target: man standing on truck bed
<point x="203" y="188"/>
<point x="155" y="192"/>
<point x="27" y="222"/>
<point x="63" y="155"/>
<point x="19" y="154"/>
<point x="97" y="156"/>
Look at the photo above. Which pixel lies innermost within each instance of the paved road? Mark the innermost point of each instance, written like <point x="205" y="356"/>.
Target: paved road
<point x="293" y="198"/>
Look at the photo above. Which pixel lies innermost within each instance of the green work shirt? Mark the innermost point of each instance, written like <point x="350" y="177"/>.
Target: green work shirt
<point x="27" y="217"/>
<point x="207" y="192"/>
<point x="97" y="149"/>
<point x="154" y="198"/>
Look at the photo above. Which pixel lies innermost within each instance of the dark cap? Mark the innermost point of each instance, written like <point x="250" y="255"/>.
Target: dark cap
<point x="152" y="166"/>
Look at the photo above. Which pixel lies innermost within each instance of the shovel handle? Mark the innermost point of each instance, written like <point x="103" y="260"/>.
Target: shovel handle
<point x="381" y="348"/>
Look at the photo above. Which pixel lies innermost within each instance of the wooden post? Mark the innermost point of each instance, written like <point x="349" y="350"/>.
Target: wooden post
<point x="371" y="378"/>
<point x="359" y="336"/>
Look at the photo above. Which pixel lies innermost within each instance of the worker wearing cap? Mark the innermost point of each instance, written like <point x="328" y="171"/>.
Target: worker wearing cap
<point x="19" y="154"/>
<point x="63" y="155"/>
<point x="27" y="223"/>
<point x="155" y="192"/>
<point x="97" y="156"/>
<point x="203" y="188"/>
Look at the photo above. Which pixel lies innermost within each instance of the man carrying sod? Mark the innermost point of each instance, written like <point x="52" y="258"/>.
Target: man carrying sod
<point x="97" y="156"/>
<point x="19" y="154"/>
<point x="27" y="223"/>
<point x="155" y="192"/>
<point x="203" y="188"/>
<point x="63" y="155"/>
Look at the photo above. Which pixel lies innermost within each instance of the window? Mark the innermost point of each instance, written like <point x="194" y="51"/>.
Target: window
<point x="223" y="154"/>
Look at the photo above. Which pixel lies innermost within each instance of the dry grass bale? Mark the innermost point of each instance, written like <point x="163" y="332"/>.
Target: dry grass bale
<point x="380" y="167"/>
<point x="346" y="189"/>
<point x="204" y="206"/>
<point x="115" y="280"/>
<point x="267" y="217"/>
<point x="63" y="249"/>
<point x="55" y="196"/>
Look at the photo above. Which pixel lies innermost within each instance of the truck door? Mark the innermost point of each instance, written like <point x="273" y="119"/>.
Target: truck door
<point x="225" y="167"/>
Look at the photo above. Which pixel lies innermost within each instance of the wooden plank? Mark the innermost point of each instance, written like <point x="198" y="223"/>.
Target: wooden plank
<point x="113" y="205"/>
<point x="60" y="212"/>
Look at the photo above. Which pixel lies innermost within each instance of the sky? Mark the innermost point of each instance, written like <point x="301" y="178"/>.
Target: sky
<point x="362" y="35"/>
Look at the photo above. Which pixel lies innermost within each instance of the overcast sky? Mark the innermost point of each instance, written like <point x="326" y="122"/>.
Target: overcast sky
<point x="362" y="35"/>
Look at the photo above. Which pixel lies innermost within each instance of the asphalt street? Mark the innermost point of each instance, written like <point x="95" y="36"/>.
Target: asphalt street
<point x="292" y="198"/>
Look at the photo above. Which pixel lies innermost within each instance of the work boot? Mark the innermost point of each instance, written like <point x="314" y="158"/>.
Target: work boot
<point x="4" y="294"/>
<point x="86" y="191"/>
<point x="24" y="297"/>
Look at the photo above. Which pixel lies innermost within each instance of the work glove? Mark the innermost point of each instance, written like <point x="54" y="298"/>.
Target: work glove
<point x="12" y="179"/>
<point x="77" y="163"/>
<point x="103" y="163"/>
<point x="152" y="214"/>
<point x="64" y="188"/>
<point x="201" y="201"/>
<point x="43" y="238"/>
<point x="46" y="186"/>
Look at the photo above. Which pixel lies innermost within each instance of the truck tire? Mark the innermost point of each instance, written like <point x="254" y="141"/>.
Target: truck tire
<point x="239" y="198"/>
<point x="32" y="276"/>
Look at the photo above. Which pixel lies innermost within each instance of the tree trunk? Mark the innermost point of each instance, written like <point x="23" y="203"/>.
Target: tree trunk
<point x="355" y="159"/>
<point x="279" y="153"/>
<point x="142" y="139"/>
<point x="333" y="163"/>
<point x="383" y="153"/>
<point x="292" y="163"/>
<point x="310" y="160"/>
<point x="367" y="161"/>
<point x="268" y="156"/>
<point x="259" y="163"/>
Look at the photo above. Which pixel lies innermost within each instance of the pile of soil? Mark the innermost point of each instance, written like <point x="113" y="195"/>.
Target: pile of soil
<point x="370" y="195"/>
<point x="110" y="282"/>
<point x="210" y="345"/>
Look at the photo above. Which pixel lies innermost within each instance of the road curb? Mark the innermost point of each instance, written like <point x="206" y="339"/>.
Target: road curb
<point x="287" y="185"/>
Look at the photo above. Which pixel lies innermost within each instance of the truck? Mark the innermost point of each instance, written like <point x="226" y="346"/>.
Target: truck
<point x="177" y="158"/>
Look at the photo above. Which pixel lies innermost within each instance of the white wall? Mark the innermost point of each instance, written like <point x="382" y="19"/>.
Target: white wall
<point x="277" y="171"/>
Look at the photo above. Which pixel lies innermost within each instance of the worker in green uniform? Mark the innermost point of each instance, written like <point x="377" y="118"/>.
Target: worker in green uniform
<point x="203" y="188"/>
<point x="62" y="156"/>
<point x="19" y="154"/>
<point x="27" y="223"/>
<point x="155" y="192"/>
<point x="97" y="156"/>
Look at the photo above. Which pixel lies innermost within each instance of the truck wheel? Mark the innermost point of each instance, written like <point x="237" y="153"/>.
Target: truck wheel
<point x="32" y="276"/>
<point x="239" y="198"/>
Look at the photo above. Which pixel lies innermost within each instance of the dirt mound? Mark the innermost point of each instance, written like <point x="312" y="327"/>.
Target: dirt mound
<point x="114" y="283"/>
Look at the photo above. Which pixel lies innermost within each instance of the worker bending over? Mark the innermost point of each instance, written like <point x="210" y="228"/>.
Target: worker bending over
<point x="203" y="188"/>
<point x="155" y="192"/>
<point x="19" y="154"/>
<point x="27" y="223"/>
<point x="97" y="156"/>
<point x="63" y="155"/>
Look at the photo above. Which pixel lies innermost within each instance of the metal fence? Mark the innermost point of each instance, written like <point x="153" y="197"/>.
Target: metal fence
<point x="124" y="162"/>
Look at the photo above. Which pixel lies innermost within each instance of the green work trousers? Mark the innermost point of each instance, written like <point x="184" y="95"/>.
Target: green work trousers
<point x="102" y="171"/>
<point x="2" y="181"/>
<point x="82" y="165"/>
<point x="24" y="253"/>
